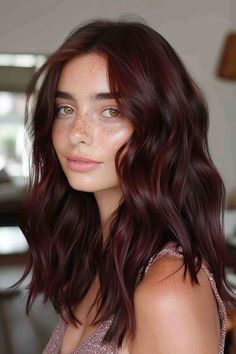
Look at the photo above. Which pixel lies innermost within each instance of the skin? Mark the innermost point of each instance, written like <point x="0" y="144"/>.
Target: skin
<point x="172" y="315"/>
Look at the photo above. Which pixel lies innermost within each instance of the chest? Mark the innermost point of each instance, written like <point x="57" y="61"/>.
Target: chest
<point x="74" y="337"/>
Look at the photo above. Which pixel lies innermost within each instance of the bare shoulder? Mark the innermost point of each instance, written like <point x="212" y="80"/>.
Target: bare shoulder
<point x="172" y="314"/>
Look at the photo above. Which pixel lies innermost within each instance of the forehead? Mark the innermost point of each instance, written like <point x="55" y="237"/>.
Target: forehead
<point x="86" y="69"/>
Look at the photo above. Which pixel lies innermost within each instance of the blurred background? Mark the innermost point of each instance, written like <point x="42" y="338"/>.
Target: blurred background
<point x="202" y="32"/>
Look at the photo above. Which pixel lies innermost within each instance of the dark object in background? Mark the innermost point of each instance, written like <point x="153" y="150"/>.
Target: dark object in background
<point x="227" y="65"/>
<point x="11" y="195"/>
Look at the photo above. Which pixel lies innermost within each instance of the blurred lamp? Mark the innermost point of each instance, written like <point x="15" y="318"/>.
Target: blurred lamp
<point x="227" y="66"/>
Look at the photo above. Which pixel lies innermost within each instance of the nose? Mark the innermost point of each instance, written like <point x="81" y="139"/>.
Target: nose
<point x="80" y="131"/>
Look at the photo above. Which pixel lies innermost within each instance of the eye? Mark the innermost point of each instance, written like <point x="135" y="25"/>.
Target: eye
<point x="63" y="110"/>
<point x="113" y="113"/>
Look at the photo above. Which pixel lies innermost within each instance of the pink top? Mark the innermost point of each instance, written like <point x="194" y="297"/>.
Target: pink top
<point x="93" y="343"/>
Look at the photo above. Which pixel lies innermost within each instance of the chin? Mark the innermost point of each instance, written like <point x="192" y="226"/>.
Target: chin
<point x="82" y="188"/>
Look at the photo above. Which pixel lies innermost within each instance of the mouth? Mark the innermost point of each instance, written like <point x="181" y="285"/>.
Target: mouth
<point x="79" y="164"/>
<point x="81" y="159"/>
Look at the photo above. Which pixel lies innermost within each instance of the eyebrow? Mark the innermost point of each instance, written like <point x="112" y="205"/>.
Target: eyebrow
<point x="95" y="97"/>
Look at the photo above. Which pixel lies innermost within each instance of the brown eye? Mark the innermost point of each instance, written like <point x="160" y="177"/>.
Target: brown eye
<point x="68" y="110"/>
<point x="64" y="110"/>
<point x="112" y="112"/>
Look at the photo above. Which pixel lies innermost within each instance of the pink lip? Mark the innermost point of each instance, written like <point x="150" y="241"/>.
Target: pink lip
<point x="81" y="164"/>
<point x="80" y="158"/>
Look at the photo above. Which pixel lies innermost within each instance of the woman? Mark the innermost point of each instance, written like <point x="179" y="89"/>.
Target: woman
<point x="123" y="213"/>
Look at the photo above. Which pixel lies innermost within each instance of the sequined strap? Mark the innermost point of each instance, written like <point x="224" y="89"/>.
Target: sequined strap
<point x="164" y="252"/>
<point x="222" y="311"/>
<point x="54" y="344"/>
<point x="93" y="344"/>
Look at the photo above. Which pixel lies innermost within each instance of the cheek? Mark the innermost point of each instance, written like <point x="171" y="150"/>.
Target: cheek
<point x="111" y="140"/>
<point x="58" y="136"/>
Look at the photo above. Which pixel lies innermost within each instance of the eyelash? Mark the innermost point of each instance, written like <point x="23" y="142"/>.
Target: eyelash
<point x="57" y="109"/>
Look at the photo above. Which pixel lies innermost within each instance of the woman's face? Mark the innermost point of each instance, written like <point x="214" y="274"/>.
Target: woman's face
<point x="88" y="124"/>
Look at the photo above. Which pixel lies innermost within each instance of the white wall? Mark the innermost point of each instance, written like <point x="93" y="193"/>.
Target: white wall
<point x="196" y="29"/>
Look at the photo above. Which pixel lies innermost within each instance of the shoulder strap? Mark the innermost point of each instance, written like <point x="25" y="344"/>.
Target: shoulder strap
<point x="165" y="252"/>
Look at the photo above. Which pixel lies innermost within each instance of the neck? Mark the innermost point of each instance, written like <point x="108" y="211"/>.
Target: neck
<point x="107" y="200"/>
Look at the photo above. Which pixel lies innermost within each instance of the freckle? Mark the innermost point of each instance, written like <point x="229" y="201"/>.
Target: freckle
<point x="78" y="129"/>
<point x="107" y="130"/>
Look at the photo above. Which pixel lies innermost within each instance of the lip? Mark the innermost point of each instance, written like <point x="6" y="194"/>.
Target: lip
<point x="80" y="158"/>
<point x="81" y="164"/>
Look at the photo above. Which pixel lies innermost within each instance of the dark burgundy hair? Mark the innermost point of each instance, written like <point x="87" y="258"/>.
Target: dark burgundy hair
<point x="172" y="190"/>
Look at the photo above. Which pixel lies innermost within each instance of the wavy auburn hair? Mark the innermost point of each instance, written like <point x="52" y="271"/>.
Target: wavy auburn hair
<point x="171" y="189"/>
